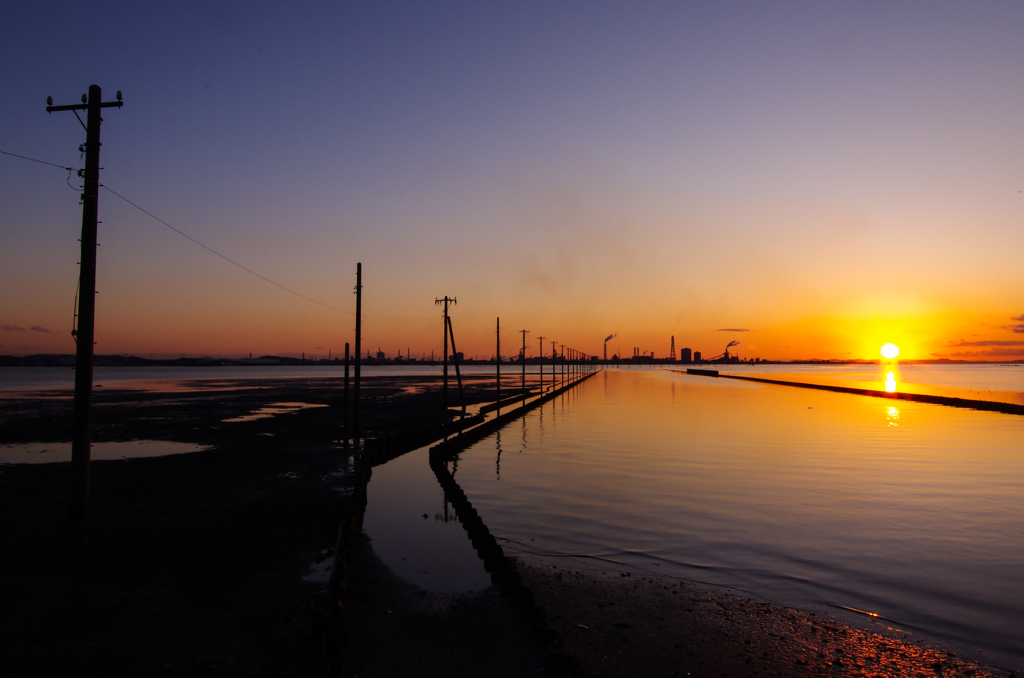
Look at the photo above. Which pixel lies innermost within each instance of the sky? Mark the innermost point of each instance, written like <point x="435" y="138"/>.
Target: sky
<point x="809" y="179"/>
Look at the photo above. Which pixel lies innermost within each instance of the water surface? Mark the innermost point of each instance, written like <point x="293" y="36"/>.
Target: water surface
<point x="908" y="510"/>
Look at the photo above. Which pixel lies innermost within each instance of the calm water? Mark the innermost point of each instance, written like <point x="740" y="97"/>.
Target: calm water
<point x="911" y="511"/>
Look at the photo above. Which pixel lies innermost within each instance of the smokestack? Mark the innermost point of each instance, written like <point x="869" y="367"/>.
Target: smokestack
<point x="606" y="340"/>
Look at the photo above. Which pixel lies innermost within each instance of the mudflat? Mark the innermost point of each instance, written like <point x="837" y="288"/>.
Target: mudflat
<point x="194" y="563"/>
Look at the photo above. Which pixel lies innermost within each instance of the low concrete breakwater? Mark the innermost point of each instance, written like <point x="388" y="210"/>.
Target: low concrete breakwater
<point x="967" y="403"/>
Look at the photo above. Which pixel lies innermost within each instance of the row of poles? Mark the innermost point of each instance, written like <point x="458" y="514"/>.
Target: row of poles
<point x="573" y="362"/>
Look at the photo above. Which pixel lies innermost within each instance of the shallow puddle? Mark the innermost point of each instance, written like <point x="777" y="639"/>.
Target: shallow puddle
<point x="44" y="453"/>
<point x="275" y="408"/>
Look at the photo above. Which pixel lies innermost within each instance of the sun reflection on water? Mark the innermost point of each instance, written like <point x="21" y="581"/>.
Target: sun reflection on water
<point x="893" y="415"/>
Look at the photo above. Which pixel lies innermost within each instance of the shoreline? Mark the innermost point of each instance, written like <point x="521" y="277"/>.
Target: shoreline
<point x="626" y="625"/>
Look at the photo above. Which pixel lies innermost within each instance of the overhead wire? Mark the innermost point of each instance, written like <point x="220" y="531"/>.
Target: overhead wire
<point x="25" y="157"/>
<point x="230" y="261"/>
<point x="215" y="252"/>
<point x="249" y="270"/>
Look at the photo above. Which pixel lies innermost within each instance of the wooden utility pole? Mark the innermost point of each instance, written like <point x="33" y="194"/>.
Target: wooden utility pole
<point x="84" y="334"/>
<point x="540" y="363"/>
<point x="446" y="301"/>
<point x="522" y="361"/>
<point x="359" y="339"/>
<point x="554" y="360"/>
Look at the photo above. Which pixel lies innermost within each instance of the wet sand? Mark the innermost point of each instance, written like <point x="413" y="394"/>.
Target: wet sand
<point x="643" y="626"/>
<point x="196" y="563"/>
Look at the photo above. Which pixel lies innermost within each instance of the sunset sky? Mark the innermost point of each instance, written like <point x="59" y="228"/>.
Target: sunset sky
<point x="809" y="179"/>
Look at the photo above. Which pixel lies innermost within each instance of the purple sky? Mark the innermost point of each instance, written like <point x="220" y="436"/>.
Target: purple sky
<point x="826" y="175"/>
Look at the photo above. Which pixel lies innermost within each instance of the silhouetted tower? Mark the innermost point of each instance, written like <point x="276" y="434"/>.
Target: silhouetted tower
<point x="672" y="352"/>
<point x="81" y="441"/>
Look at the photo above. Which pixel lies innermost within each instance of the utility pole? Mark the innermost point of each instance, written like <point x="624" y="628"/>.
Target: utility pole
<point x="81" y="442"/>
<point x="359" y="340"/>
<point x="437" y="302"/>
<point x="563" y="362"/>
<point x="522" y="361"/>
<point x="497" y="354"/>
<point x="540" y="363"/>
<point x="554" y="363"/>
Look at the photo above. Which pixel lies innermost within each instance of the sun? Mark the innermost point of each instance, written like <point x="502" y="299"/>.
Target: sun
<point x="890" y="351"/>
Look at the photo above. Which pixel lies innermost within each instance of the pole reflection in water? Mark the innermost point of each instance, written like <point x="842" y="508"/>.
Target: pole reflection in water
<point x="420" y="545"/>
<point x="523" y="426"/>
<point x="497" y="458"/>
<point x="804" y="497"/>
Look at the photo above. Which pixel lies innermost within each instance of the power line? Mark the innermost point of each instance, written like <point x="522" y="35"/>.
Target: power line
<point x="25" y="157"/>
<point x="213" y="251"/>
<point x="253" y="272"/>
<point x="230" y="261"/>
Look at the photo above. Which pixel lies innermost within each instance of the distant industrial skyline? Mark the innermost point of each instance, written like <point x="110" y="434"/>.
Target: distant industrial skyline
<point x="811" y="179"/>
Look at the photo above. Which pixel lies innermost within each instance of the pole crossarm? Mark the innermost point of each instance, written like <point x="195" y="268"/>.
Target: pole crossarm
<point x="84" y="107"/>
